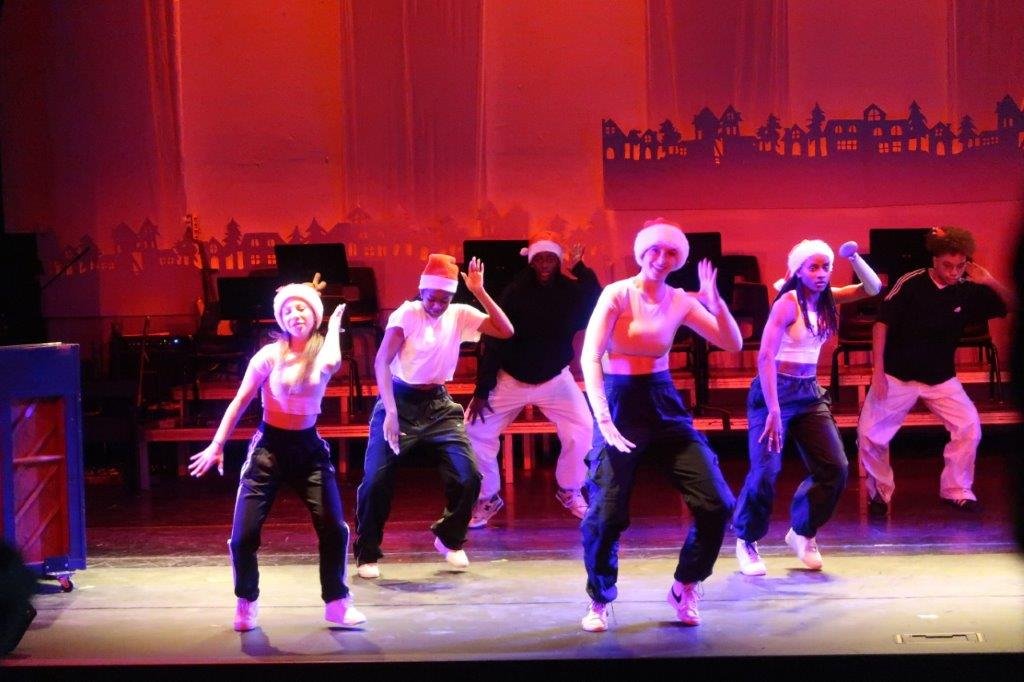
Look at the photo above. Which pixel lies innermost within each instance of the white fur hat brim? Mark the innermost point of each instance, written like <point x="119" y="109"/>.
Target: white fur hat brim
<point x="439" y="282"/>
<point x="800" y="253"/>
<point x="304" y="293"/>
<point x="541" y="246"/>
<point x="661" y="233"/>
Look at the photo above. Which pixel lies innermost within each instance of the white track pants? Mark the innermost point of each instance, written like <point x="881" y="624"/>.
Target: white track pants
<point x="561" y="401"/>
<point x="881" y="419"/>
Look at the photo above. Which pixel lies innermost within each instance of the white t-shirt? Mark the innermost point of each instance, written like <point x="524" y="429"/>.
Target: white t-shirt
<point x="431" y="348"/>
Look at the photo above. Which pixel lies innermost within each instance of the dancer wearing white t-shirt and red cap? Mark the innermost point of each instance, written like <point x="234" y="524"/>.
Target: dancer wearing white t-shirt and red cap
<point x="417" y="356"/>
<point x="291" y="374"/>
<point x="785" y="398"/>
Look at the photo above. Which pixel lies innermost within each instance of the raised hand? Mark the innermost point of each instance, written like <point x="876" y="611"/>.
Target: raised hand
<point x="203" y="461"/>
<point x="334" y="322"/>
<point x="708" y="294"/>
<point x="317" y="283"/>
<point x="475" y="278"/>
<point x="848" y="249"/>
<point x="977" y="273"/>
<point x="575" y="254"/>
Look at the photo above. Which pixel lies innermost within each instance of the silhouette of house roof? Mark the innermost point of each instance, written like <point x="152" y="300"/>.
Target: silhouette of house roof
<point x="612" y="130"/>
<point x="705" y="118"/>
<point x="941" y="130"/>
<point x="874" y="108"/>
<point x="730" y="115"/>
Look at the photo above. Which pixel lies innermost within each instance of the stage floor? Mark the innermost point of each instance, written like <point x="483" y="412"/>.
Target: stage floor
<point x="928" y="580"/>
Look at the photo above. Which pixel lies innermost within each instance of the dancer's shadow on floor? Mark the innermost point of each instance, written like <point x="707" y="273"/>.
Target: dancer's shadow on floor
<point x="256" y="643"/>
<point x="441" y="581"/>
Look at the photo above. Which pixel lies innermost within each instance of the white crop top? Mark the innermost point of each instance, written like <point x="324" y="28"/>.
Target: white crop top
<point x="278" y="375"/>
<point x="800" y="344"/>
<point x="641" y="328"/>
<point x="431" y="348"/>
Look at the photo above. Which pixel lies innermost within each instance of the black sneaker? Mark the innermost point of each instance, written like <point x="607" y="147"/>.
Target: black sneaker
<point x="963" y="505"/>
<point x="877" y="508"/>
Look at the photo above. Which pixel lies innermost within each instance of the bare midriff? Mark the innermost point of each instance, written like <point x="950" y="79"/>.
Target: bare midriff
<point x="619" y="363"/>
<point x="801" y="370"/>
<point x="417" y="387"/>
<point x="290" y="422"/>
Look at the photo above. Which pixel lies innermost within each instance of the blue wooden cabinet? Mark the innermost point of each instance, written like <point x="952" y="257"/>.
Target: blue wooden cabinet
<point x="42" y="506"/>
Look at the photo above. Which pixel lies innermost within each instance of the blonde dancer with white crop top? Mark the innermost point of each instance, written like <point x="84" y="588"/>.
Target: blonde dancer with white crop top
<point x="291" y="375"/>
<point x="639" y="414"/>
<point x="785" y="398"/>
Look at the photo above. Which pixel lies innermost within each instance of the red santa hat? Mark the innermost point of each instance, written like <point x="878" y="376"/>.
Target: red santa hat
<point x="542" y="242"/>
<point x="441" y="272"/>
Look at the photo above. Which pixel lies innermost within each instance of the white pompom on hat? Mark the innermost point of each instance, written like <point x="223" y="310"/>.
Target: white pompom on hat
<point x="441" y="272"/>
<point x="801" y="252"/>
<point x="542" y="242"/>
<point x="304" y="293"/>
<point x="661" y="233"/>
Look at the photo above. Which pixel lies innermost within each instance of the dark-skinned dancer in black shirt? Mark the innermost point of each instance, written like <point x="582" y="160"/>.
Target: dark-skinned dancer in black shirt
<point x="548" y="302"/>
<point x="914" y="341"/>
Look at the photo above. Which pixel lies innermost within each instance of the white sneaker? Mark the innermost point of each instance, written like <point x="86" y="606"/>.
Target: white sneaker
<point x="483" y="510"/>
<point x="596" y="619"/>
<point x="246" y="613"/>
<point x="344" y="612"/>
<point x="750" y="560"/>
<point x="684" y="597"/>
<point x="572" y="499"/>
<point x="806" y="549"/>
<point x="368" y="571"/>
<point x="456" y="557"/>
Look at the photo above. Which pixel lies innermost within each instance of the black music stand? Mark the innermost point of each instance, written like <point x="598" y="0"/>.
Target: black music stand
<point x="299" y="262"/>
<point x="702" y="245"/>
<point x="502" y="262"/>
<point x="246" y="299"/>
<point x="895" y="251"/>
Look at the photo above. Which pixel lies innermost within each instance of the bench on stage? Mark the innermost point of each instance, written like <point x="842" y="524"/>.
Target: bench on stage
<point x="530" y="424"/>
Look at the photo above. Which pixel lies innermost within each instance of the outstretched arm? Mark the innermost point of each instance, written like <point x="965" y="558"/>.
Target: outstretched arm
<point x="213" y="454"/>
<point x="869" y="285"/>
<point x="595" y="343"/>
<point x="712" y="319"/>
<point x="394" y="337"/>
<point x="496" y="323"/>
<point x="782" y="315"/>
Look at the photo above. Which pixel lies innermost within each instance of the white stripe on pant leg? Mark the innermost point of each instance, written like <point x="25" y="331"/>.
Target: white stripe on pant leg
<point x="879" y="421"/>
<point x="951" y="403"/>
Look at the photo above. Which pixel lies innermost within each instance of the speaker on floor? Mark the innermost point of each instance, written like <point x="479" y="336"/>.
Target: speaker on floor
<point x="17" y="585"/>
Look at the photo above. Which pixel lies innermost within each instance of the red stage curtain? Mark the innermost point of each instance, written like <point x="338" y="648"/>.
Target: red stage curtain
<point x="411" y="80"/>
<point x="712" y="53"/>
<point x="986" y="56"/>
